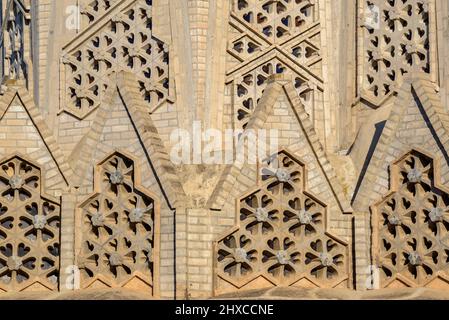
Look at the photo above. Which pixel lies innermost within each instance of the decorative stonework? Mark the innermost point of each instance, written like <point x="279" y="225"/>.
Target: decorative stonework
<point x="92" y="10"/>
<point x="29" y="230"/>
<point x="269" y="37"/>
<point x="276" y="21"/>
<point x="16" y="47"/>
<point x="118" y="229"/>
<point x="124" y="43"/>
<point x="281" y="235"/>
<point x="411" y="225"/>
<point x="395" y="45"/>
<point x="320" y="75"/>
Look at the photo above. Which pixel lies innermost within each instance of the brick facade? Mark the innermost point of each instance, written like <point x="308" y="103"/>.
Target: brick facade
<point x="132" y="72"/>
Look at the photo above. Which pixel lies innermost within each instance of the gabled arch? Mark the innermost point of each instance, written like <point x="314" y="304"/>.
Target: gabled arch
<point x="411" y="225"/>
<point x="29" y="229"/>
<point x="118" y="244"/>
<point x="22" y="98"/>
<point x="281" y="237"/>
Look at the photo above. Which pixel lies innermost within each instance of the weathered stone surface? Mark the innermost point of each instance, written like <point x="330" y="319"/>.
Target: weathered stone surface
<point x="261" y="294"/>
<point x="117" y="294"/>
<point x="93" y="189"/>
<point x="338" y="294"/>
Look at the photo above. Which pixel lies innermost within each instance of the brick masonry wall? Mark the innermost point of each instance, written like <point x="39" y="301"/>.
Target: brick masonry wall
<point x="42" y="33"/>
<point x="207" y="226"/>
<point x="198" y="18"/>
<point x="19" y="135"/>
<point x="407" y="114"/>
<point x="118" y="133"/>
<point x="197" y="34"/>
<point x="443" y="48"/>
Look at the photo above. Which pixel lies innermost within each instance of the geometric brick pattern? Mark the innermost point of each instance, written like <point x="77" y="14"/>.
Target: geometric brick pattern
<point x="117" y="224"/>
<point x="270" y="37"/>
<point x="282" y="234"/>
<point x="287" y="65"/>
<point x="124" y="43"/>
<point x="29" y="229"/>
<point x="396" y="44"/>
<point x="411" y="225"/>
<point x="91" y="10"/>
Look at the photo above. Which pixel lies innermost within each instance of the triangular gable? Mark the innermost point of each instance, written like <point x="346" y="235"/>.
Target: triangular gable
<point x="417" y="120"/>
<point x="123" y="113"/>
<point x="17" y="114"/>
<point x="233" y="177"/>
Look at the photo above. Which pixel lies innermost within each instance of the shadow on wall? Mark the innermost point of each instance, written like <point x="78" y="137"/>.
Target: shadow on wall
<point x="379" y="129"/>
